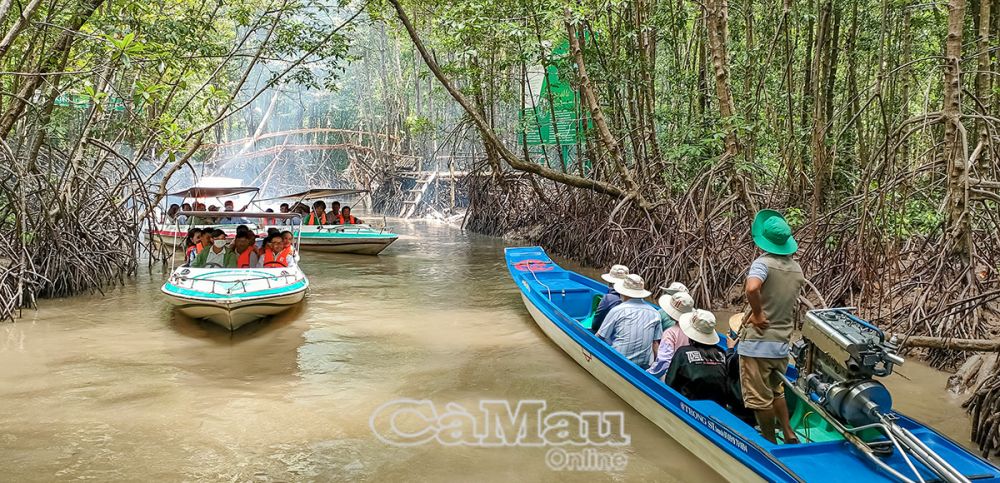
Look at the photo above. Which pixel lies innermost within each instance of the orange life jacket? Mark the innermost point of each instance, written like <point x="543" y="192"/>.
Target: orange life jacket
<point x="270" y="261"/>
<point x="244" y="259"/>
<point x="312" y="218"/>
<point x="351" y="220"/>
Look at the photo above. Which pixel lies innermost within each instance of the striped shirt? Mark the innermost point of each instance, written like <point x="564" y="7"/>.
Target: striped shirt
<point x="630" y="328"/>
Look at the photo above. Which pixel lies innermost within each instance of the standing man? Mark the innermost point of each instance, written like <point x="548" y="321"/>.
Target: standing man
<point x="633" y="327"/>
<point x="773" y="285"/>
<point x="610" y="299"/>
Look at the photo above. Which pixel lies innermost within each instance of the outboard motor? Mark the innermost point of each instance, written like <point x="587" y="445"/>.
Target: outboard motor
<point x="837" y="358"/>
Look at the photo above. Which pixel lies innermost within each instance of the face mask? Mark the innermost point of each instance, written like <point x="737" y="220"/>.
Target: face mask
<point x="220" y="243"/>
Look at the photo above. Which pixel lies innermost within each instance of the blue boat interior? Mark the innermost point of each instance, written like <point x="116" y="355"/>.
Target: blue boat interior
<point x="570" y="299"/>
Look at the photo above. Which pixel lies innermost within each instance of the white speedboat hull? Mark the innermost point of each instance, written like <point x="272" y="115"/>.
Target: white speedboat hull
<point x="233" y="297"/>
<point x="357" y="239"/>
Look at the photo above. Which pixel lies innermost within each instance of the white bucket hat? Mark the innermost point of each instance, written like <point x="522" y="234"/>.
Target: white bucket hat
<point x="632" y="286"/>
<point x="617" y="272"/>
<point x="674" y="288"/>
<point x="699" y="326"/>
<point x="677" y="304"/>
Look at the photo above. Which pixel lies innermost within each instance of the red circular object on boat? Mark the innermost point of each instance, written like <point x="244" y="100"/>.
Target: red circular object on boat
<point x="533" y="266"/>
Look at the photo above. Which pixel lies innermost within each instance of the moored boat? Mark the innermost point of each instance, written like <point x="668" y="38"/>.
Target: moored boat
<point x="831" y="419"/>
<point x="233" y="297"/>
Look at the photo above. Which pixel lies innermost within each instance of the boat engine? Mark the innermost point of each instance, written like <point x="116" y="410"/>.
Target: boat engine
<point x="837" y="358"/>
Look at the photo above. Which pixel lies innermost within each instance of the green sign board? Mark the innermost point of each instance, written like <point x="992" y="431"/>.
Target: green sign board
<point x="552" y="115"/>
<point x="77" y="101"/>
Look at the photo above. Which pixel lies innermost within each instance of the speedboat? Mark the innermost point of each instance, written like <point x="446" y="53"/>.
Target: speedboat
<point x="234" y="297"/>
<point x="173" y="236"/>
<point x="361" y="239"/>
<point x="841" y="414"/>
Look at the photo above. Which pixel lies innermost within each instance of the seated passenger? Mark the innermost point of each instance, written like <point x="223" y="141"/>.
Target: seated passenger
<point x="270" y="221"/>
<point x="665" y="317"/>
<point x="334" y="214"/>
<point x="318" y="214"/>
<point x="698" y="370"/>
<point x="633" y="327"/>
<point x="183" y="219"/>
<point x="673" y="306"/>
<point x="230" y="219"/>
<point x="346" y="218"/>
<point x="192" y="245"/>
<point x="218" y="254"/>
<point x="610" y="299"/>
<point x="676" y="306"/>
<point x="246" y="254"/>
<point x="198" y="219"/>
<point x="275" y="254"/>
<point x="288" y="239"/>
<point x="170" y="217"/>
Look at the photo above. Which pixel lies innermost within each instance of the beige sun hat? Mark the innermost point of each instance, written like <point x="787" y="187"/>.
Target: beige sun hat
<point x="677" y="304"/>
<point x="674" y="288"/>
<point x="632" y="286"/>
<point x="699" y="326"/>
<point x="736" y="321"/>
<point x="617" y="272"/>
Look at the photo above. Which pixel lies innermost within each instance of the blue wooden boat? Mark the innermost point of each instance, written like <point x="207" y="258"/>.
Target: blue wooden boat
<point x="561" y="302"/>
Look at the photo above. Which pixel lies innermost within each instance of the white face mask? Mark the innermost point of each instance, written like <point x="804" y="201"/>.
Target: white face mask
<point x="220" y="243"/>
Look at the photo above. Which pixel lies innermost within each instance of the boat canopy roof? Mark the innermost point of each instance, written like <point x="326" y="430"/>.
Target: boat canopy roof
<point x="317" y="193"/>
<point x="214" y="192"/>
<point x="240" y="214"/>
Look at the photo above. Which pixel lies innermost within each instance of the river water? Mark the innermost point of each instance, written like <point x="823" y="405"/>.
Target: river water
<point x="117" y="387"/>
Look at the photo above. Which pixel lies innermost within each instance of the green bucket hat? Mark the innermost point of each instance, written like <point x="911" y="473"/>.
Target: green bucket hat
<point x="772" y="234"/>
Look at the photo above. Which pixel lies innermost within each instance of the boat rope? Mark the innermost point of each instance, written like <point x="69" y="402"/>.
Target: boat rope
<point x="534" y="274"/>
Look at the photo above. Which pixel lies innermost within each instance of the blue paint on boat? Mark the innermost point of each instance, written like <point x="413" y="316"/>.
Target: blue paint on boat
<point x="565" y="298"/>
<point x="186" y="292"/>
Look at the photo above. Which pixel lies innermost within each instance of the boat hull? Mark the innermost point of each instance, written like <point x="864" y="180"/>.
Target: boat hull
<point x="235" y="314"/>
<point x="356" y="239"/>
<point x="345" y="244"/>
<point x="232" y="298"/>
<point x="723" y="463"/>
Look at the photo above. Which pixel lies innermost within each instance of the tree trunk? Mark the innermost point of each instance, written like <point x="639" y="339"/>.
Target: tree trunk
<point x="817" y="140"/>
<point x="955" y="140"/>
<point x="984" y="85"/>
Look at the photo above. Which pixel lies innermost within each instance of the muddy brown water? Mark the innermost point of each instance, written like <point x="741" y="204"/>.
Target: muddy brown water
<point x="118" y="387"/>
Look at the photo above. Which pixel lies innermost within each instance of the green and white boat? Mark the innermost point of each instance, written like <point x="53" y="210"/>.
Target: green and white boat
<point x="361" y="239"/>
<point x="234" y="297"/>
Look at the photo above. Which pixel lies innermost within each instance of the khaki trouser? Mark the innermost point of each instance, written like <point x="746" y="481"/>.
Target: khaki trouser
<point x="761" y="381"/>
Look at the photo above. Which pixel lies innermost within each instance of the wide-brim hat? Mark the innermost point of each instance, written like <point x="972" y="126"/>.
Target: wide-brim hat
<point x="736" y="321"/>
<point x="666" y="302"/>
<point x="616" y="273"/>
<point x="705" y="322"/>
<point x="772" y="234"/>
<point x="674" y="288"/>
<point x="632" y="286"/>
